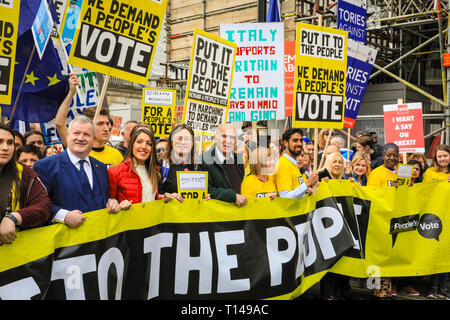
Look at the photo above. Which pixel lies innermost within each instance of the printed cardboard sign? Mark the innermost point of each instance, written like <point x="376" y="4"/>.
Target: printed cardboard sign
<point x="209" y="82"/>
<point x="403" y="125"/>
<point x="9" y="24"/>
<point x="257" y="92"/>
<point x="42" y="27"/>
<point x="192" y="184"/>
<point x="320" y="77"/>
<point x="60" y="8"/>
<point x="351" y="16"/>
<point x="158" y="106"/>
<point x="360" y="62"/>
<point x="289" y="76"/>
<point x="404" y="174"/>
<point x="118" y="37"/>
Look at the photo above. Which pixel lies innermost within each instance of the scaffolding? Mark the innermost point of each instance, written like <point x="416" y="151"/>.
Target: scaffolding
<point x="411" y="37"/>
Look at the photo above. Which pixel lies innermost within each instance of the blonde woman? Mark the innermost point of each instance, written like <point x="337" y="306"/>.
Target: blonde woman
<point x="360" y="168"/>
<point x="333" y="167"/>
<point x="441" y="165"/>
<point x="260" y="182"/>
<point x="333" y="285"/>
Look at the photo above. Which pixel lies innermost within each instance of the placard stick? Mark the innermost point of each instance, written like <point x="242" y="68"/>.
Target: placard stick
<point x="101" y="98"/>
<point x="21" y="85"/>
<point x="254" y="132"/>
<point x="316" y="144"/>
<point x="326" y="145"/>
<point x="400" y="101"/>
<point x="69" y="66"/>
<point x="201" y="145"/>
<point x="316" y="130"/>
<point x="348" y="144"/>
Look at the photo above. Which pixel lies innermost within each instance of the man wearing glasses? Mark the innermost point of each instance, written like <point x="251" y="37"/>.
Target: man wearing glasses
<point x="161" y="148"/>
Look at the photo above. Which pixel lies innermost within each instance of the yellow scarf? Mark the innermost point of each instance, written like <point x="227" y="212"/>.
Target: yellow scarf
<point x="15" y="204"/>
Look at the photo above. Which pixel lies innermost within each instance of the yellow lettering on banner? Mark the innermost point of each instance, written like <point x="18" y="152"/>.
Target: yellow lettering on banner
<point x="9" y="24"/>
<point x="117" y="38"/>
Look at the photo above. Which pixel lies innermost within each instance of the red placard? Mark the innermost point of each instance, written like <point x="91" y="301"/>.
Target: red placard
<point x="116" y="125"/>
<point x="289" y="68"/>
<point x="403" y="125"/>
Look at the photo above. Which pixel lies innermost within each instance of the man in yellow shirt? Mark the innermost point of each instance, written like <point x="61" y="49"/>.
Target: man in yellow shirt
<point x="288" y="179"/>
<point x="106" y="154"/>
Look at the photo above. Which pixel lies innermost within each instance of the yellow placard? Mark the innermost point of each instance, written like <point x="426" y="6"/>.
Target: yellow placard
<point x="320" y="77"/>
<point x="9" y="24"/>
<point x="192" y="184"/>
<point x="158" y="107"/>
<point x="118" y="37"/>
<point x="404" y="173"/>
<point x="209" y="82"/>
<point x="61" y="10"/>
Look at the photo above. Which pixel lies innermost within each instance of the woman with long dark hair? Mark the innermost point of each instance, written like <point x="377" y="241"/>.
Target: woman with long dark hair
<point x="24" y="202"/>
<point x="180" y="157"/>
<point x="136" y="179"/>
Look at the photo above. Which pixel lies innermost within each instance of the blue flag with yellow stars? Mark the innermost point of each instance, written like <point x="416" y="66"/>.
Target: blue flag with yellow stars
<point x="44" y="87"/>
<point x="273" y="12"/>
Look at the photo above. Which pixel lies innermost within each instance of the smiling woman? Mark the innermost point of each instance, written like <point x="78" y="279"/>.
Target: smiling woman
<point x="136" y="179"/>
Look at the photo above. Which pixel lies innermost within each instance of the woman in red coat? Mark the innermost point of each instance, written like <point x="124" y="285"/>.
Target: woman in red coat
<point x="136" y="179"/>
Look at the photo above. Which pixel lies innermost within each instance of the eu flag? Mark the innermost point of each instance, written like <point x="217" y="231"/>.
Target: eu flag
<point x="273" y="13"/>
<point x="44" y="87"/>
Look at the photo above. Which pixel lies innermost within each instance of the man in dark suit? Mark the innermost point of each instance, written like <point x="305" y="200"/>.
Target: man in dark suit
<point x="76" y="182"/>
<point x="225" y="167"/>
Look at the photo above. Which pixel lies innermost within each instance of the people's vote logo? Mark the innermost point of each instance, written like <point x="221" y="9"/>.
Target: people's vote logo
<point x="430" y="226"/>
<point x="403" y="224"/>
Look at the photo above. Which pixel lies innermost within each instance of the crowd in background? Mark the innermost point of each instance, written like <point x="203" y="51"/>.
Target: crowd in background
<point x="41" y="185"/>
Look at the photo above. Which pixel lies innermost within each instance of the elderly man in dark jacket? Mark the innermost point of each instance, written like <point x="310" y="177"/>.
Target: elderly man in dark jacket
<point x="225" y="167"/>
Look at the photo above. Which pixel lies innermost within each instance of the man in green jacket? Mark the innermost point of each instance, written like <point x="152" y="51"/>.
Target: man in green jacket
<point x="225" y="167"/>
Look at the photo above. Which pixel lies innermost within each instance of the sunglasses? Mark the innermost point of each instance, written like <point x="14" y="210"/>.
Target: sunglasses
<point x="327" y="133"/>
<point x="160" y="150"/>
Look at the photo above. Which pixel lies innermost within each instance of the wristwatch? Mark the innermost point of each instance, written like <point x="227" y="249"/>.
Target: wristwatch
<point x="14" y="219"/>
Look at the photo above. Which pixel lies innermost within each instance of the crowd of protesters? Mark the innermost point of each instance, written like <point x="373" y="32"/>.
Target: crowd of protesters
<point x="42" y="185"/>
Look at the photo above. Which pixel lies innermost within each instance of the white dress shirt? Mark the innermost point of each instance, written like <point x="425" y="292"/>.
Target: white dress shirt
<point x="61" y="214"/>
<point x="222" y="158"/>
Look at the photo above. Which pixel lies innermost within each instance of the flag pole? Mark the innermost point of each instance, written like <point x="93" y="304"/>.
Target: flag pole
<point x="316" y="130"/>
<point x="326" y="145"/>
<point x="101" y="98"/>
<point x="21" y="85"/>
<point x="348" y="144"/>
<point x="68" y="65"/>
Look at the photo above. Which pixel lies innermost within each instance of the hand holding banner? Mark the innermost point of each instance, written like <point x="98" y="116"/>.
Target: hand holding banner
<point x="320" y="77"/>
